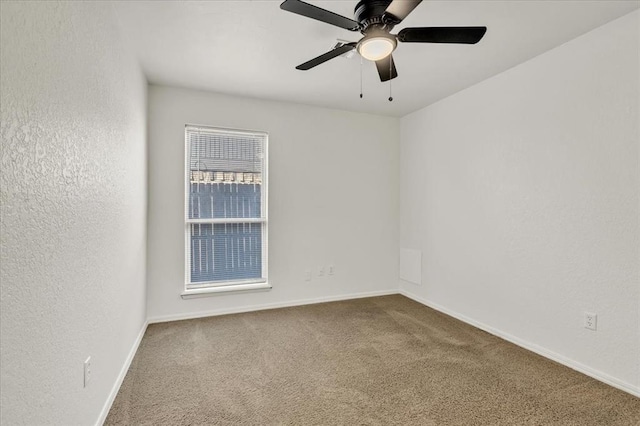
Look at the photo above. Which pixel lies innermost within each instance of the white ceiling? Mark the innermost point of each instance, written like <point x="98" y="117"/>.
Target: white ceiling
<point x="251" y="48"/>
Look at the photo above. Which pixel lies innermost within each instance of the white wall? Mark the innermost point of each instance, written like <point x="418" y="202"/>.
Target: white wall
<point x="522" y="194"/>
<point x="333" y="179"/>
<point x="73" y="196"/>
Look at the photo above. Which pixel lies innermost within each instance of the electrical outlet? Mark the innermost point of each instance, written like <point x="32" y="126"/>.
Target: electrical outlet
<point x="321" y="271"/>
<point x="331" y="270"/>
<point x="590" y="321"/>
<point x="87" y="371"/>
<point x="307" y="275"/>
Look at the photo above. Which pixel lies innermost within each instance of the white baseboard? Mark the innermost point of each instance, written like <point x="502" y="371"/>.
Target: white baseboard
<point x="262" y="307"/>
<point x="121" y="376"/>
<point x="584" y="369"/>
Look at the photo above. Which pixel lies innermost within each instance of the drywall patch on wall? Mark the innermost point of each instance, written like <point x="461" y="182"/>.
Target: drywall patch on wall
<point x="526" y="188"/>
<point x="73" y="207"/>
<point x="411" y="266"/>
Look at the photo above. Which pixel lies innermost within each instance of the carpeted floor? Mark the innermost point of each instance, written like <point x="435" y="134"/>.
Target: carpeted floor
<point x="376" y="361"/>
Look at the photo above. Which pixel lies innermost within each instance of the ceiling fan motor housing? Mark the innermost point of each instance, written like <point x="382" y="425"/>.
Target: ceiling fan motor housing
<point x="370" y="15"/>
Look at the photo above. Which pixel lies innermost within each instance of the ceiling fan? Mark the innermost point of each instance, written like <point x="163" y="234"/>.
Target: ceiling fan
<point x="375" y="19"/>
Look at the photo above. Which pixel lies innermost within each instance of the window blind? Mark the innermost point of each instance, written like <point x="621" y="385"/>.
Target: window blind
<point x="225" y="211"/>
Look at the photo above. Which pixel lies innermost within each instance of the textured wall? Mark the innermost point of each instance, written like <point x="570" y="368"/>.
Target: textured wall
<point x="73" y="196"/>
<point x="333" y="183"/>
<point x="522" y="193"/>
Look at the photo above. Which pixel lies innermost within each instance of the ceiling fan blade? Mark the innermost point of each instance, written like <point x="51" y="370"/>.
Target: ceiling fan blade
<point x="323" y="15"/>
<point x="325" y="57"/>
<point x="463" y="35"/>
<point x="387" y="68"/>
<point x="400" y="9"/>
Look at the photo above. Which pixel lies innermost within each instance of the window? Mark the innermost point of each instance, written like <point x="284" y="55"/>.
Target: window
<point x="225" y="210"/>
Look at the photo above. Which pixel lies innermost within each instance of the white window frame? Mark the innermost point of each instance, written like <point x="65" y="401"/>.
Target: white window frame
<point x="194" y="290"/>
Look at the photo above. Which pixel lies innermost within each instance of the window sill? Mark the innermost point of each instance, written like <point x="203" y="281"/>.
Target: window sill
<point x="215" y="291"/>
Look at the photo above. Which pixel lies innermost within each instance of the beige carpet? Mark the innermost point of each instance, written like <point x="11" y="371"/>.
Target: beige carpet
<point x="377" y="361"/>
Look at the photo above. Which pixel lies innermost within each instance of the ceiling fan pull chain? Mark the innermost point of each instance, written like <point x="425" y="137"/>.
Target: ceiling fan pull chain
<point x="360" y="77"/>
<point x="390" y="80"/>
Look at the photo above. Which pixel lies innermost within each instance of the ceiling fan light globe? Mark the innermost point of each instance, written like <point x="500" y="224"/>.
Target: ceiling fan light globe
<point x="377" y="47"/>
